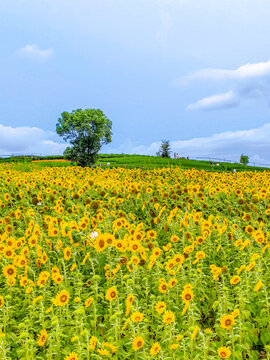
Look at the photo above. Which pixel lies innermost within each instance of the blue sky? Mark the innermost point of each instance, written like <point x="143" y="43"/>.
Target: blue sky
<point x="195" y="72"/>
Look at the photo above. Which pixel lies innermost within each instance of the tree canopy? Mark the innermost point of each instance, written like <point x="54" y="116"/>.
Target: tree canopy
<point x="244" y="159"/>
<point x="165" y="149"/>
<point x="86" y="130"/>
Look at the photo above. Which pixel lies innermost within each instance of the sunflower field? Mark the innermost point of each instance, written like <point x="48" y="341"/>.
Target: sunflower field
<point x="134" y="264"/>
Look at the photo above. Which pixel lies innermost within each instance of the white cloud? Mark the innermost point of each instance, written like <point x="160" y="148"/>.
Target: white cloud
<point x="34" y="52"/>
<point x="227" y="145"/>
<point x="28" y="140"/>
<point x="219" y="101"/>
<point x="246" y="71"/>
<point x="250" y="81"/>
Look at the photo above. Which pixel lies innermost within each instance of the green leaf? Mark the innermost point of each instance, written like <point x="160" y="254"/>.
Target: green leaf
<point x="265" y="336"/>
<point x="239" y="355"/>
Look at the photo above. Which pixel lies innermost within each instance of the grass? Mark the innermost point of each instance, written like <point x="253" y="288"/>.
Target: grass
<point x="152" y="162"/>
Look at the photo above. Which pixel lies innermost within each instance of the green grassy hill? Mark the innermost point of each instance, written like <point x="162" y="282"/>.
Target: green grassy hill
<point x="131" y="162"/>
<point x="152" y="162"/>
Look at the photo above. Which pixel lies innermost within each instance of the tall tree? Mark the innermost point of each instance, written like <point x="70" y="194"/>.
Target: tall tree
<point x="86" y="130"/>
<point x="165" y="149"/>
<point x="244" y="159"/>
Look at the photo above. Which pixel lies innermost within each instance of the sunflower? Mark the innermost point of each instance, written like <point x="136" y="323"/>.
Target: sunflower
<point x="24" y="251"/>
<point x="172" y="282"/>
<point x="32" y="241"/>
<point x="238" y="242"/>
<point x="44" y="258"/>
<point x="152" y="234"/>
<point x="185" y="307"/>
<point x="49" y="310"/>
<point x="249" y="229"/>
<point x="134" y="246"/>
<point x="9" y="271"/>
<point x="156" y="252"/>
<point x="85" y="258"/>
<point x="200" y="254"/>
<point x="42" y="338"/>
<point x="163" y="287"/>
<point x="188" y="249"/>
<point x="174" y="238"/>
<point x="43" y="277"/>
<point x="160" y="307"/>
<point x="258" y="286"/>
<point x="117" y="224"/>
<point x="100" y="244"/>
<point x="11" y="242"/>
<point x="67" y="253"/>
<point x="8" y="252"/>
<point x="169" y="265"/>
<point x="57" y="278"/>
<point x="138" y="236"/>
<point x="61" y="298"/>
<point x="195" y="331"/>
<point x="250" y="266"/>
<point x="235" y="313"/>
<point x="1" y="301"/>
<point x="227" y="321"/>
<point x="109" y="238"/>
<point x="224" y="352"/>
<point x="71" y="356"/>
<point x="55" y="270"/>
<point x="103" y="352"/>
<point x="187" y="295"/>
<point x="110" y="346"/>
<point x="178" y="259"/>
<point x="23" y="281"/>
<point x="88" y="301"/>
<point x="36" y="299"/>
<point x="120" y="245"/>
<point x="168" y="317"/>
<point x="92" y="343"/>
<point x="235" y="280"/>
<point x="73" y="267"/>
<point x="137" y="343"/>
<point x="126" y="324"/>
<point x="135" y="260"/>
<point x="129" y="301"/>
<point x="200" y="240"/>
<point x="137" y="317"/>
<point x="111" y="294"/>
<point x="155" y="349"/>
<point x="8" y="229"/>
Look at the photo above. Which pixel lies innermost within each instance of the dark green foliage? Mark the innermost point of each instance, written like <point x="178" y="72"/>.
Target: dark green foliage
<point x="244" y="159"/>
<point x="165" y="149"/>
<point x="86" y="130"/>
